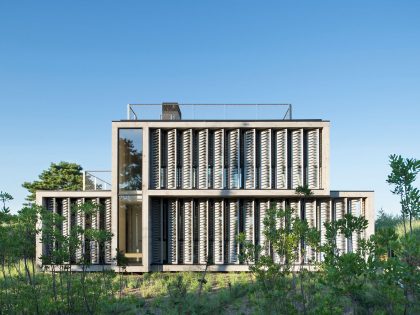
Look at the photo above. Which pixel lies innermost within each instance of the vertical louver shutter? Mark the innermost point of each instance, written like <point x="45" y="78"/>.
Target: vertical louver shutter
<point x="234" y="159"/>
<point x="363" y="213"/>
<point x="188" y="232"/>
<point x="156" y="158"/>
<point x="156" y="231"/>
<point x="280" y="224"/>
<point x="187" y="159"/>
<point x="233" y="231"/>
<point x="172" y="231"/>
<point x="48" y="247"/>
<point x="172" y="158"/>
<point x="355" y="211"/>
<point x="108" y="250"/>
<point x="203" y="233"/>
<point x="324" y="217"/>
<point x="295" y="206"/>
<point x="313" y="159"/>
<point x="281" y="155"/>
<point x="218" y="232"/>
<point x="80" y="221"/>
<point x="339" y="214"/>
<point x="203" y="159"/>
<point x="264" y="204"/>
<point x="310" y="213"/>
<point x="297" y="158"/>
<point x="218" y="158"/>
<point x="265" y="159"/>
<point x="66" y="218"/>
<point x="66" y="214"/>
<point x="94" y="246"/>
<point x="249" y="220"/>
<point x="249" y="149"/>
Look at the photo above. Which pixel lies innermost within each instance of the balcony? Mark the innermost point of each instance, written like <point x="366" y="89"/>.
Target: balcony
<point x="97" y="180"/>
<point x="175" y="111"/>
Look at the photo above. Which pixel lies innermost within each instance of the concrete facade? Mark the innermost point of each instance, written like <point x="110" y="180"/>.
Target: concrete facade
<point x="202" y="182"/>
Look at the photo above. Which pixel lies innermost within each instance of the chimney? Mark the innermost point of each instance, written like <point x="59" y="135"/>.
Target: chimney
<point x="171" y="111"/>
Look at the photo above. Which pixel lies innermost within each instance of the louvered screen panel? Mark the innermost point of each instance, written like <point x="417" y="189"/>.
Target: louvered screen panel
<point x="203" y="158"/>
<point x="249" y="220"/>
<point x="295" y="206"/>
<point x="310" y="216"/>
<point x="249" y="150"/>
<point x="108" y="250"/>
<point x="187" y="159"/>
<point x="188" y="232"/>
<point x="280" y="224"/>
<point x="94" y="246"/>
<point x="66" y="218"/>
<point x="297" y="158"/>
<point x="218" y="232"/>
<point x="339" y="214"/>
<point x="264" y="204"/>
<point x="210" y="229"/>
<point x="172" y="231"/>
<point x="355" y="211"/>
<point x="156" y="231"/>
<point x="218" y="158"/>
<point x="281" y="156"/>
<point x="363" y="213"/>
<point x="80" y="221"/>
<point x="234" y="159"/>
<point x="156" y="158"/>
<point x="265" y="159"/>
<point x="172" y="159"/>
<point x="233" y="231"/>
<point x="203" y="233"/>
<point x="48" y="247"/>
<point x="313" y="159"/>
<point x="66" y="213"/>
<point x="325" y="217"/>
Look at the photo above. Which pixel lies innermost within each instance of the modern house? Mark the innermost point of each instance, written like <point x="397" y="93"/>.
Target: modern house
<point x="185" y="181"/>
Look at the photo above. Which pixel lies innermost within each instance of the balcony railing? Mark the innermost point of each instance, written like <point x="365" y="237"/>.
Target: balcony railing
<point x="96" y="180"/>
<point x="212" y="112"/>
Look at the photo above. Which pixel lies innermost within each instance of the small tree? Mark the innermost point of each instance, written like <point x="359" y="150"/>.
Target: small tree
<point x="4" y="198"/>
<point x="284" y="231"/>
<point x="385" y="220"/>
<point x="60" y="176"/>
<point x="347" y="272"/>
<point x="402" y="177"/>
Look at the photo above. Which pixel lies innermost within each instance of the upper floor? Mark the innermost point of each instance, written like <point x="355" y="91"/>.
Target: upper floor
<point x="177" y="154"/>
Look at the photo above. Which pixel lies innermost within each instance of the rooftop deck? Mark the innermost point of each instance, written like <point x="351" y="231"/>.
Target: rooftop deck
<point x="175" y="111"/>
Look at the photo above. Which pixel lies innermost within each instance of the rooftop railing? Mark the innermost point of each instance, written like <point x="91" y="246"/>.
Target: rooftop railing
<point x="96" y="180"/>
<point x="212" y="112"/>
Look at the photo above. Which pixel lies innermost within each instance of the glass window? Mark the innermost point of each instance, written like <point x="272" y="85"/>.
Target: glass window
<point x="130" y="149"/>
<point x="130" y="228"/>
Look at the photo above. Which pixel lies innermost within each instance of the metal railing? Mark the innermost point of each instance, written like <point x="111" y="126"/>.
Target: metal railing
<point x="97" y="180"/>
<point x="214" y="111"/>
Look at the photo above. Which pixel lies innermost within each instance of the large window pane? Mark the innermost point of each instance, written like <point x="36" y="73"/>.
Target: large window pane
<point x="130" y="228"/>
<point x="130" y="149"/>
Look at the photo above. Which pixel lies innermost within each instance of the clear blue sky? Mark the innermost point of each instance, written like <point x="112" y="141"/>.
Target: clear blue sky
<point x="67" y="68"/>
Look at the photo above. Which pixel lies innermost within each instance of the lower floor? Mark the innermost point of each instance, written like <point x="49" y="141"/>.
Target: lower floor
<point x="177" y="234"/>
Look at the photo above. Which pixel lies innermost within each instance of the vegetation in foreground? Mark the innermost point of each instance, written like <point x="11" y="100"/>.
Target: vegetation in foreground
<point x="380" y="276"/>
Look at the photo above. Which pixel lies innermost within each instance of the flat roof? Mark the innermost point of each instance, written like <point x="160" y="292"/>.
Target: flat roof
<point x="222" y="120"/>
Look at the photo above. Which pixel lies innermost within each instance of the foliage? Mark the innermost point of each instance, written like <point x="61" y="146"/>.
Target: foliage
<point x="303" y="190"/>
<point x="402" y="178"/>
<point x="379" y="275"/>
<point x="60" y="176"/>
<point x="4" y="198"/>
<point x="385" y="220"/>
